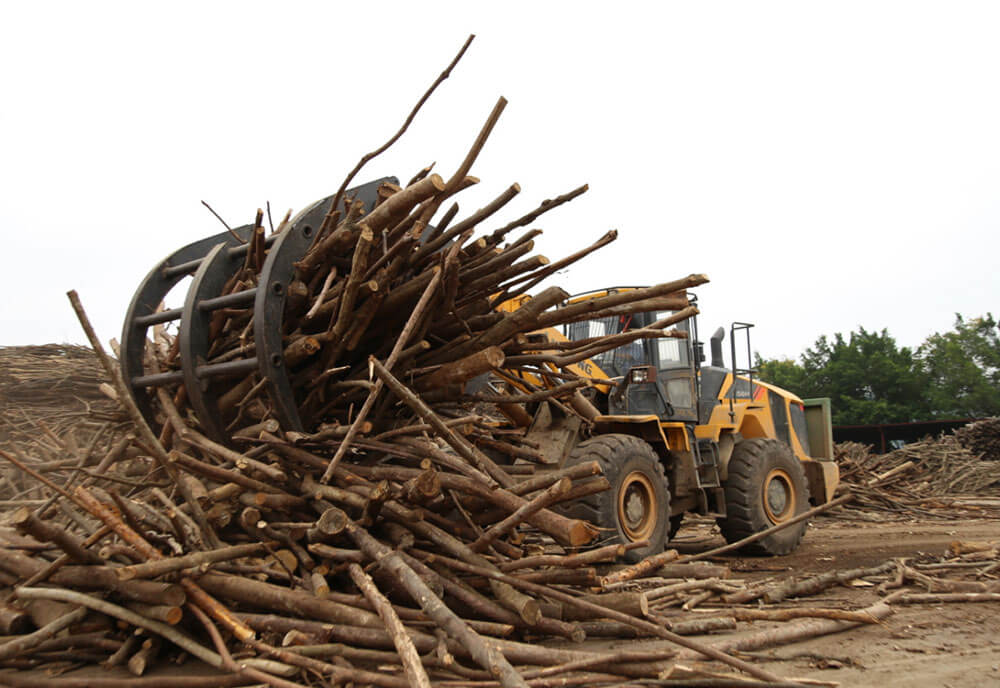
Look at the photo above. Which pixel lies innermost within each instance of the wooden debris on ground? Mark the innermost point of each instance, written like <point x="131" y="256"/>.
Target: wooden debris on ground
<point x="935" y="477"/>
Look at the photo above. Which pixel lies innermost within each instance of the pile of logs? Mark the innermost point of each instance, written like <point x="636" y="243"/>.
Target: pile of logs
<point x="981" y="437"/>
<point x="52" y="392"/>
<point x="53" y="416"/>
<point x="410" y="516"/>
<point x="407" y="516"/>
<point x="371" y="589"/>
<point x="932" y="477"/>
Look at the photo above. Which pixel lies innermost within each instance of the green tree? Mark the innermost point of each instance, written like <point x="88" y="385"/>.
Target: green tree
<point x="868" y="378"/>
<point x="785" y="373"/>
<point x="962" y="368"/>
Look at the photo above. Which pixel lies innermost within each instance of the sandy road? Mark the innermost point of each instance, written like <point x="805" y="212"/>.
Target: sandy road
<point x="928" y="645"/>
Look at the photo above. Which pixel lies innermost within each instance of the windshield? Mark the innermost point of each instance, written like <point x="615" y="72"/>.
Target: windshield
<point x="620" y="360"/>
<point x="665" y="352"/>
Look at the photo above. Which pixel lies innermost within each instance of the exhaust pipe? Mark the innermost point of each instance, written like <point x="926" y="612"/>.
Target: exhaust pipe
<point x="716" y="344"/>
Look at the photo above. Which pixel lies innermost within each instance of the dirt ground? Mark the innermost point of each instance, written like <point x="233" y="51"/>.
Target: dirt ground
<point x="919" y="645"/>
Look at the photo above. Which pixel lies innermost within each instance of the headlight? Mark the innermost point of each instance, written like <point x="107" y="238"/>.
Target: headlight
<point x="640" y="375"/>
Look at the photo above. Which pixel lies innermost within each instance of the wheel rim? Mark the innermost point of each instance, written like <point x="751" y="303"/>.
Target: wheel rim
<point x="637" y="506"/>
<point x="779" y="495"/>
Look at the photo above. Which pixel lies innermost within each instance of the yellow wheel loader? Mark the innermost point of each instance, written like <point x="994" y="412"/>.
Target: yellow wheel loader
<point x="672" y="435"/>
<point x="676" y="436"/>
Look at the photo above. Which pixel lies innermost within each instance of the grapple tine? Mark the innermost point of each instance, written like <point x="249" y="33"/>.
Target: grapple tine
<point x="147" y="299"/>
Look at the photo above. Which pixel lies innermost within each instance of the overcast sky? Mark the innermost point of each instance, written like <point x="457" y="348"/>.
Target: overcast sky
<point x="828" y="165"/>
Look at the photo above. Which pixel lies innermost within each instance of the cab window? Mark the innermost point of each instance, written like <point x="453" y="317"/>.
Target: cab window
<point x="672" y="353"/>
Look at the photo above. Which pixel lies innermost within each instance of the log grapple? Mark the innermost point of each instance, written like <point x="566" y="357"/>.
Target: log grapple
<point x="212" y="263"/>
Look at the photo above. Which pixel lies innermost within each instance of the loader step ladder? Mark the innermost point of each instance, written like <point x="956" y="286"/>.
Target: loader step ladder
<point x="706" y="459"/>
<point x="711" y="495"/>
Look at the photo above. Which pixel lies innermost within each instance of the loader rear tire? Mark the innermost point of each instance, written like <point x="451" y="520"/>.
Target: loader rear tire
<point x="766" y="485"/>
<point x="637" y="507"/>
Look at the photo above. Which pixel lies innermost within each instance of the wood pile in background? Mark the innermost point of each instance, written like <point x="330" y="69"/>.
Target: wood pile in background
<point x="981" y="437"/>
<point x="53" y="415"/>
<point x="52" y="388"/>
<point x="936" y="477"/>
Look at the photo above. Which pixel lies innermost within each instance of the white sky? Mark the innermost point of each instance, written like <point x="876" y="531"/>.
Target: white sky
<point x="828" y="165"/>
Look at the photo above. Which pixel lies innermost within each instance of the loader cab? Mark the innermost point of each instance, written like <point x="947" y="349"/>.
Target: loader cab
<point x="654" y="376"/>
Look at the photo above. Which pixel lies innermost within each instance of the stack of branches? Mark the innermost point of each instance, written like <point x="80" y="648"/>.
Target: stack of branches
<point x="437" y="306"/>
<point x="981" y="437"/>
<point x="273" y="577"/>
<point x="370" y="587"/>
<point x="931" y="477"/>
<point x="53" y="415"/>
<point x="421" y="559"/>
<point x="55" y="385"/>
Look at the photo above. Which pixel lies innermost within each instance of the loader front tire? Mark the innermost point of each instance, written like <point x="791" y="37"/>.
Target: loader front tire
<point x="766" y="485"/>
<point x="637" y="507"/>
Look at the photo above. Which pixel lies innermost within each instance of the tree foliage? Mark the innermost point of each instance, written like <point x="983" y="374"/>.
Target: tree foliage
<point x="963" y="369"/>
<point x="870" y="379"/>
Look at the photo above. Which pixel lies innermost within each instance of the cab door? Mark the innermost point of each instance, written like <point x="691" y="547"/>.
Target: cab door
<point x="675" y="373"/>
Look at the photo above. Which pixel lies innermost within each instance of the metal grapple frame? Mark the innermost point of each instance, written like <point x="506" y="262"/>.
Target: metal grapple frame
<point x="211" y="263"/>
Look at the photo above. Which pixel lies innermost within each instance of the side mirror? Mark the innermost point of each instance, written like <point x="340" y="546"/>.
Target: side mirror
<point x="699" y="351"/>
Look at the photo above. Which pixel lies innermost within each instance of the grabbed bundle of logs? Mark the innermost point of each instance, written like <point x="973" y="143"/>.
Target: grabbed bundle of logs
<point x="281" y="327"/>
<point x="358" y="328"/>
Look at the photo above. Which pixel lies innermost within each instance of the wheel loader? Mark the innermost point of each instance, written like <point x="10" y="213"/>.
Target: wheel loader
<point x="675" y="436"/>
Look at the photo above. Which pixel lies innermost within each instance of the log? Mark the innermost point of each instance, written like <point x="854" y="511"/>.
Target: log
<point x="464" y="369"/>
<point x="647" y="565"/>
<point x="140" y="661"/>
<point x="791" y="633"/>
<point x="262" y="595"/>
<point x="542" y="500"/>
<point x="632" y="603"/>
<point x="936" y="598"/>
<point x="483" y="653"/>
<point x="159" y="567"/>
<point x="19" y="646"/>
<point x="14" y="621"/>
<point x="25" y="520"/>
<point x="816" y="584"/>
<point x="404" y="646"/>
<point x="94" y="578"/>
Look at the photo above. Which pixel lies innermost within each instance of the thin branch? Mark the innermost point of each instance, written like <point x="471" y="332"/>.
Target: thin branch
<point x="224" y="223"/>
<point x="413" y="113"/>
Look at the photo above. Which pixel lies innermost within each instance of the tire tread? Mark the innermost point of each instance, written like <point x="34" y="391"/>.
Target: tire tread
<point x="744" y="516"/>
<point x="611" y="451"/>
